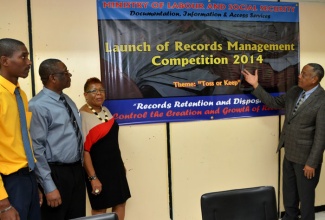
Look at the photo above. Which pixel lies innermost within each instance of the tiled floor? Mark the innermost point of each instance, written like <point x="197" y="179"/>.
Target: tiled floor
<point x="320" y="216"/>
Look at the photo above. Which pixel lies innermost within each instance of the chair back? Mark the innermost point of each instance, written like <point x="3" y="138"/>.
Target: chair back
<point x="106" y="216"/>
<point x="256" y="203"/>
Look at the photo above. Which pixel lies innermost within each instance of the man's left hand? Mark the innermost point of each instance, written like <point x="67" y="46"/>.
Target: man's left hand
<point x="309" y="172"/>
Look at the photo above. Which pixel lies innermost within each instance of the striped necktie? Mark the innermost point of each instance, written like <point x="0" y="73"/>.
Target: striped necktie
<point x="300" y="101"/>
<point x="24" y="131"/>
<point x="73" y="121"/>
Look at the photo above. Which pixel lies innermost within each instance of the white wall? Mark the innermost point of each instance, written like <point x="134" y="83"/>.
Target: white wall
<point x="205" y="155"/>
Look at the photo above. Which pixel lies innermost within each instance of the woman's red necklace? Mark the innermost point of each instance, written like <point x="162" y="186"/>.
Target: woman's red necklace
<point x="93" y="110"/>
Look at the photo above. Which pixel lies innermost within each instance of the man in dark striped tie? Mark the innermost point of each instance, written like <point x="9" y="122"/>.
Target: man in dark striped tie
<point x="58" y="144"/>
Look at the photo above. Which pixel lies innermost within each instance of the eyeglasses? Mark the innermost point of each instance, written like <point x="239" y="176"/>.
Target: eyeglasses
<point x="95" y="91"/>
<point x="65" y="73"/>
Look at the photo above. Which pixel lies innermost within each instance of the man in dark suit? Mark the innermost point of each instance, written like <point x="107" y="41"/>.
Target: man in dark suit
<point x="302" y="137"/>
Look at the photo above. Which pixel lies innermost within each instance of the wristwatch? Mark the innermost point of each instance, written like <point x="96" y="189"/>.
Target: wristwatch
<point x="91" y="178"/>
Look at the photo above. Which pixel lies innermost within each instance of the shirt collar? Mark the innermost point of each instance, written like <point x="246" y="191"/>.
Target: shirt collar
<point x="51" y="94"/>
<point x="8" y="85"/>
<point x="311" y="90"/>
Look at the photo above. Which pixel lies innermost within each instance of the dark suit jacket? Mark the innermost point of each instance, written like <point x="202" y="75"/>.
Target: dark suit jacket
<point x="303" y="134"/>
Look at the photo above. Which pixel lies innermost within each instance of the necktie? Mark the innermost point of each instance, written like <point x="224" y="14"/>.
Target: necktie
<point x="300" y="101"/>
<point x="24" y="132"/>
<point x="73" y="121"/>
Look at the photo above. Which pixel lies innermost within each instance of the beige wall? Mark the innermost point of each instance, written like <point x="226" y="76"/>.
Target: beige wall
<point x="312" y="49"/>
<point x="205" y="155"/>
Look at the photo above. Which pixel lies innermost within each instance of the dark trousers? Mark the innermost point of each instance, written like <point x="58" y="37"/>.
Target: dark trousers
<point x="69" y="180"/>
<point x="297" y="188"/>
<point x="22" y="191"/>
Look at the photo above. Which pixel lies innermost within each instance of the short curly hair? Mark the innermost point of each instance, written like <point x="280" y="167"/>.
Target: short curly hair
<point x="91" y="81"/>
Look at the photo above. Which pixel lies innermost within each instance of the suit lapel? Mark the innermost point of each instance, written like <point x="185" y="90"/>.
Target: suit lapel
<point x="307" y="102"/>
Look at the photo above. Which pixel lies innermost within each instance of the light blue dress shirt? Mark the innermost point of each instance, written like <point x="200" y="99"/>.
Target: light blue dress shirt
<point x="309" y="92"/>
<point x="53" y="136"/>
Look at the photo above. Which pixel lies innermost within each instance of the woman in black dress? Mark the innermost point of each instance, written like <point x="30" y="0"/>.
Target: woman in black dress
<point x="106" y="182"/>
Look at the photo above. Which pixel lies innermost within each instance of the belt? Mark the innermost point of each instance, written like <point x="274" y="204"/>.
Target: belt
<point x="22" y="171"/>
<point x="64" y="164"/>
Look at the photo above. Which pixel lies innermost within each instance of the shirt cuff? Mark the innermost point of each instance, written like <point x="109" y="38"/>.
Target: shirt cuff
<point x="49" y="187"/>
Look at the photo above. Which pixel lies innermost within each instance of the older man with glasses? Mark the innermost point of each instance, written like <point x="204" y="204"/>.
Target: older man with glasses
<point x="302" y="137"/>
<point x="58" y="145"/>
